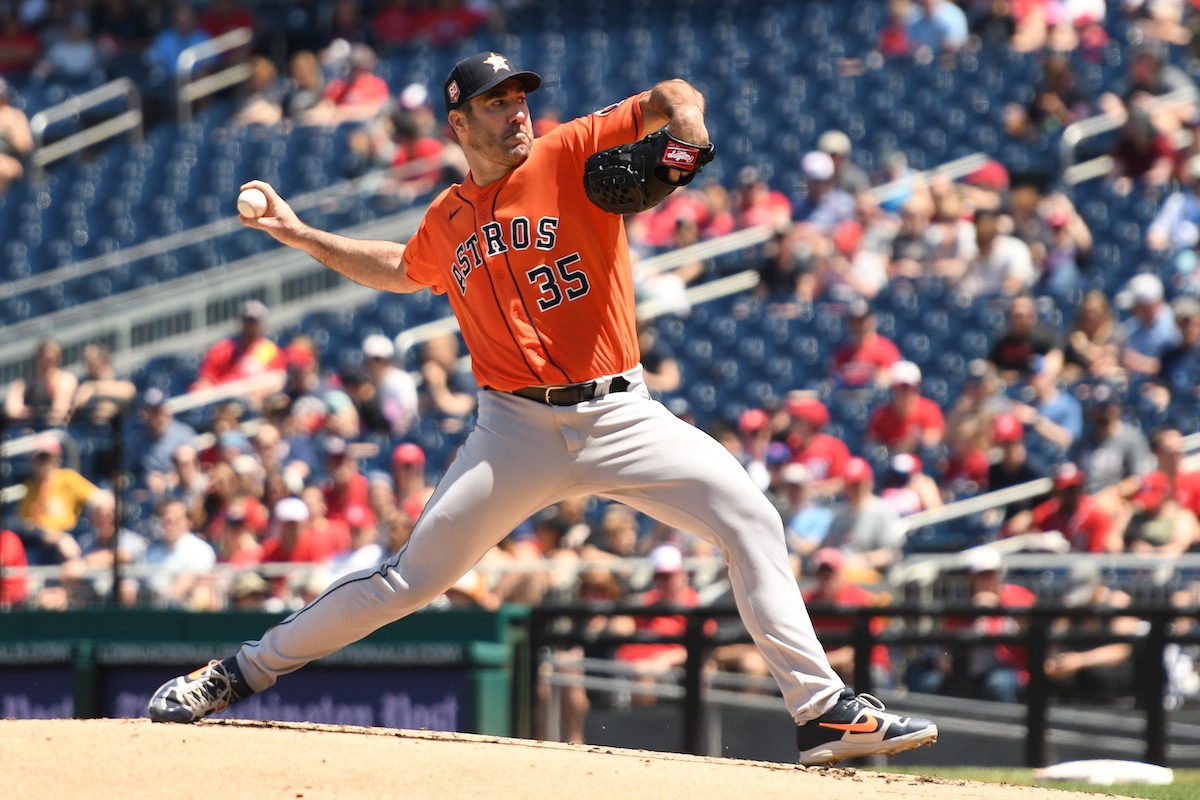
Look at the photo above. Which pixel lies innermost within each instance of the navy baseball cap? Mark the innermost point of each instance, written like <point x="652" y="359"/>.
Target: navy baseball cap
<point x="480" y="73"/>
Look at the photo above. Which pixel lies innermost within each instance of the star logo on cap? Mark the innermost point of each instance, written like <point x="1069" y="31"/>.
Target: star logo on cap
<point x="497" y="63"/>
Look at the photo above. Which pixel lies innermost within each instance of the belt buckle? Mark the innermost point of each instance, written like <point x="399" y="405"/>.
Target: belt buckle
<point x="555" y="388"/>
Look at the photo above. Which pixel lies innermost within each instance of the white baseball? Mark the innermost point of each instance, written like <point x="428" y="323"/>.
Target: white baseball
<point x="252" y="203"/>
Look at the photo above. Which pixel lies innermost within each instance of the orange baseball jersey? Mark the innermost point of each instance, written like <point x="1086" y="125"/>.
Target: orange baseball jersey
<point x="537" y="275"/>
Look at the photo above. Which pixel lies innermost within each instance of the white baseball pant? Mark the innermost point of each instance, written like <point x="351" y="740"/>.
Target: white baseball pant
<point x="523" y="456"/>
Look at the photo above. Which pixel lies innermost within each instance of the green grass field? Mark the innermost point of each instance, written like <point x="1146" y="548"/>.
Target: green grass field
<point x="1185" y="787"/>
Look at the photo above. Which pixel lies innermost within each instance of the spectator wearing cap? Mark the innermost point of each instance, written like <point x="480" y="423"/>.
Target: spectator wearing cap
<point x="907" y="422"/>
<point x="295" y="541"/>
<point x="1025" y="338"/>
<point x="44" y="400"/>
<point x="822" y="456"/>
<point x="1114" y="454"/>
<point x="358" y="97"/>
<point x="16" y="140"/>
<point x="183" y="561"/>
<point x="395" y="390"/>
<point x="250" y="592"/>
<point x="863" y="525"/>
<point x="939" y="27"/>
<point x="1003" y="264"/>
<point x="365" y="551"/>
<point x="825" y="206"/>
<point x="834" y="591"/>
<point x="848" y="176"/>
<point x="992" y="672"/>
<point x="412" y="485"/>
<point x="448" y="391"/>
<point x="672" y="589"/>
<point x="417" y="158"/>
<point x="1053" y="416"/>
<point x="906" y="488"/>
<point x="755" y="203"/>
<point x="865" y="357"/>
<point x="345" y="485"/>
<point x="246" y="355"/>
<point x="1158" y="524"/>
<point x="1013" y="467"/>
<point x="1072" y="513"/>
<point x="805" y="523"/>
<point x="754" y="427"/>
<point x="155" y="440"/>
<point x="1176" y="227"/>
<point x="55" y="497"/>
<point x="1151" y="331"/>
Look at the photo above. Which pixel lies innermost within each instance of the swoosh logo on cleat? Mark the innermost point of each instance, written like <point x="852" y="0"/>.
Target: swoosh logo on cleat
<point x="868" y="725"/>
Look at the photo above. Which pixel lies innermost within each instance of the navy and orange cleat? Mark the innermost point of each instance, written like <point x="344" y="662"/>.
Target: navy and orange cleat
<point x="859" y="726"/>
<point x="188" y="698"/>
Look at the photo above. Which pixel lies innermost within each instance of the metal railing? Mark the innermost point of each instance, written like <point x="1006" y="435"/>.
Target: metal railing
<point x="546" y="633"/>
<point x="129" y="121"/>
<point x="188" y="91"/>
<point x="1077" y="132"/>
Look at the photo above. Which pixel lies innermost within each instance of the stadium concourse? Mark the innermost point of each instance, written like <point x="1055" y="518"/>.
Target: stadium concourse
<point x="944" y="250"/>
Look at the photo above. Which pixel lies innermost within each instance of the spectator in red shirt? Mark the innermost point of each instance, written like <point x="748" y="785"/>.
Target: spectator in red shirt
<point x="249" y="354"/>
<point x="408" y="474"/>
<point x="823" y="456"/>
<point x="358" y="97"/>
<point x="294" y="541"/>
<point x="672" y="588"/>
<point x="755" y="203"/>
<point x="908" y="422"/>
<point x="834" y="590"/>
<point x="998" y="672"/>
<point x="346" y="486"/>
<point x="1073" y="514"/>
<point x="13" y="590"/>
<point x="865" y="358"/>
<point x="1167" y="443"/>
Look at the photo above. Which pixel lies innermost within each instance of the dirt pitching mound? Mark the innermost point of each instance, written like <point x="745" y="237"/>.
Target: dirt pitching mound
<point x="233" y="760"/>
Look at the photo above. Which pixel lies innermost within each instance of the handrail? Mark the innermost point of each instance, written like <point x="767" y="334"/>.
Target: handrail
<point x="710" y="248"/>
<point x="130" y="120"/>
<point x="951" y="169"/>
<point x="1010" y="494"/>
<point x="1076" y="132"/>
<point x="187" y="91"/>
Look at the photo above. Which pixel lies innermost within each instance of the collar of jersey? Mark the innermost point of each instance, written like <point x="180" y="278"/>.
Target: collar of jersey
<point x="473" y="191"/>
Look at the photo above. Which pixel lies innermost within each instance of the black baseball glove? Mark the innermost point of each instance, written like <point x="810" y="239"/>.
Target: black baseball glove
<point x="633" y="177"/>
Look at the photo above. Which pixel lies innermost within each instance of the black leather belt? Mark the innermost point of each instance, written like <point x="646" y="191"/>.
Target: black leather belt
<point x="571" y="393"/>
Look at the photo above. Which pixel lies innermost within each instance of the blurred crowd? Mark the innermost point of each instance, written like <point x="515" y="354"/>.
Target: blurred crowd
<point x="327" y="474"/>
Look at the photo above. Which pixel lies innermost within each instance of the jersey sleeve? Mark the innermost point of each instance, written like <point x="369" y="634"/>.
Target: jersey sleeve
<point x="418" y="253"/>
<point x="617" y="124"/>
